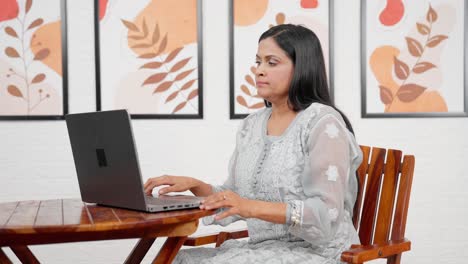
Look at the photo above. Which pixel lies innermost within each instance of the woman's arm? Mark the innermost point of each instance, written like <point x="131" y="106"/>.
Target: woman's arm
<point x="178" y="184"/>
<point x="201" y="188"/>
<point x="267" y="211"/>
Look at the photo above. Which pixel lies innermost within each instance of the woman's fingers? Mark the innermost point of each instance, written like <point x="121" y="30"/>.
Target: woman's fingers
<point x="225" y="214"/>
<point x="151" y="183"/>
<point x="211" y="199"/>
<point x="173" y="188"/>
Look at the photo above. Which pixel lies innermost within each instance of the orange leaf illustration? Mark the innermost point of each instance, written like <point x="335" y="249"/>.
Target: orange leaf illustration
<point x="434" y="41"/>
<point x="130" y="25"/>
<point x="182" y="75"/>
<point x="147" y="56"/>
<point x="38" y="78"/>
<point x="180" y="106"/>
<point x="155" y="34"/>
<point x="36" y="23"/>
<point x="163" y="44"/>
<point x="10" y="31"/>
<point x="423" y="29"/>
<point x="401" y="69"/>
<point x="42" y="54"/>
<point x="28" y="5"/>
<point x="245" y="90"/>
<point x="410" y="92"/>
<point x="415" y="48"/>
<point x="172" y="96"/>
<point x="145" y="29"/>
<point x="142" y="45"/>
<point x="253" y="70"/>
<point x="280" y="17"/>
<point x="431" y="16"/>
<point x="423" y="67"/>
<point x="385" y="95"/>
<point x="193" y="94"/>
<point x="135" y="37"/>
<point x="179" y="65"/>
<point x="163" y="87"/>
<point x="241" y="101"/>
<point x="11" y="52"/>
<point x="173" y="54"/>
<point x="155" y="78"/>
<point x="249" y="79"/>
<point x="13" y="90"/>
<point x="151" y="65"/>
<point x="188" y="84"/>
<point x="257" y="105"/>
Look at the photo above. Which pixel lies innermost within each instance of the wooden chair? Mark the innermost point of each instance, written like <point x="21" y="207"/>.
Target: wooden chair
<point x="379" y="214"/>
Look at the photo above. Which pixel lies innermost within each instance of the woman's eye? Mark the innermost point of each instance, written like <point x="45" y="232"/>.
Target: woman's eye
<point x="257" y="63"/>
<point x="271" y="63"/>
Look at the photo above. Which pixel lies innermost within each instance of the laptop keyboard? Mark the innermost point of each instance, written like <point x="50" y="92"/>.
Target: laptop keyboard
<point x="170" y="200"/>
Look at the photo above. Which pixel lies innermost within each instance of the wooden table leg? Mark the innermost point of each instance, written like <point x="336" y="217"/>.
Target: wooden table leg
<point x="24" y="254"/>
<point x="4" y="258"/>
<point x="169" y="250"/>
<point x="139" y="251"/>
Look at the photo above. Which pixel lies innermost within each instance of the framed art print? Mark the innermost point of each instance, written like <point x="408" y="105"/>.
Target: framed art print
<point x="414" y="58"/>
<point x="149" y="57"/>
<point x="33" y="60"/>
<point x="248" y="20"/>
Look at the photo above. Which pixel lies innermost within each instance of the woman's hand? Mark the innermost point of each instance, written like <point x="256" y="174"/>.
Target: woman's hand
<point x="228" y="199"/>
<point x="176" y="184"/>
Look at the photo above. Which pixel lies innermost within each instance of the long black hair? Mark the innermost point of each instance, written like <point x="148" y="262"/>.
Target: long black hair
<point x="309" y="82"/>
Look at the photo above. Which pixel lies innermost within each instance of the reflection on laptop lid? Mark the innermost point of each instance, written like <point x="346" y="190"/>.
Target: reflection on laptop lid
<point x="107" y="166"/>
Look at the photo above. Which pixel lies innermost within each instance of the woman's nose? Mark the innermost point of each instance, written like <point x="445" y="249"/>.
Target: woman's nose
<point x="259" y="71"/>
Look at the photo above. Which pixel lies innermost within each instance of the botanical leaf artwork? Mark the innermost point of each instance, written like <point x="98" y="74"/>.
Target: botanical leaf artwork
<point x="161" y="72"/>
<point x="403" y="75"/>
<point x="164" y="76"/>
<point x="30" y="66"/>
<point x="250" y="20"/>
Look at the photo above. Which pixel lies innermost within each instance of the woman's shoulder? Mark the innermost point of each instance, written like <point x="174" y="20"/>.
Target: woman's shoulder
<point x="256" y="116"/>
<point x="253" y="120"/>
<point x="317" y="111"/>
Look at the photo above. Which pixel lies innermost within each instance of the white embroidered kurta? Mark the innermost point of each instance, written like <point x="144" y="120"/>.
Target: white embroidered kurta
<point x="311" y="167"/>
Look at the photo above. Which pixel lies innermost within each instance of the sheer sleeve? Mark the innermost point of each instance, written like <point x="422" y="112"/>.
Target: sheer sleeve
<point x="325" y="181"/>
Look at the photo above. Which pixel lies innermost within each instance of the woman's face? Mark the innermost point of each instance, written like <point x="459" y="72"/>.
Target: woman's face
<point x="274" y="72"/>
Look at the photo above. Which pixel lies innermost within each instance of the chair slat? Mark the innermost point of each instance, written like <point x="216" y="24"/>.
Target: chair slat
<point x="362" y="171"/>
<point x="387" y="196"/>
<point x="371" y="196"/>
<point x="404" y="192"/>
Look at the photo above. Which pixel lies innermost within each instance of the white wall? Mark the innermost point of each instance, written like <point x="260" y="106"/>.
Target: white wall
<point x="36" y="160"/>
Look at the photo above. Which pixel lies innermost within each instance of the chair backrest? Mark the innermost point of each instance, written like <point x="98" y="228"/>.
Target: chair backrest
<point x="384" y="193"/>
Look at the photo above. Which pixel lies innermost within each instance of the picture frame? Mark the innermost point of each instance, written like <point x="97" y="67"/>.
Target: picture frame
<point x="33" y="60"/>
<point x="247" y="23"/>
<point x="152" y="63"/>
<point x="410" y="59"/>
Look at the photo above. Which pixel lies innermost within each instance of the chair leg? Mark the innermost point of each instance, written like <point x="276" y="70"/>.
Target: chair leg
<point x="4" y="258"/>
<point x="169" y="250"/>
<point x="223" y="236"/>
<point x="395" y="259"/>
<point x="24" y="254"/>
<point x="140" y="250"/>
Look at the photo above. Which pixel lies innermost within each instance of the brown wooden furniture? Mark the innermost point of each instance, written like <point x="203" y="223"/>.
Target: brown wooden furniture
<point x="70" y="220"/>
<point x="379" y="213"/>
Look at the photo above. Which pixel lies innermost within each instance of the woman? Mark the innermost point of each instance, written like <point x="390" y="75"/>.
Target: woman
<point x="292" y="174"/>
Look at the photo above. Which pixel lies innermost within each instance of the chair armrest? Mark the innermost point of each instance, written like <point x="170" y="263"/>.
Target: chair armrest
<point x="217" y="238"/>
<point x="360" y="254"/>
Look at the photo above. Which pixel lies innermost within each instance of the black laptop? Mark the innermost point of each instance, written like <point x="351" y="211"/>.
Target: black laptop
<point x="107" y="166"/>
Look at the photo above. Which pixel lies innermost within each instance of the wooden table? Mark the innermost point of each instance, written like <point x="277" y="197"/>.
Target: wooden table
<point x="70" y="220"/>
